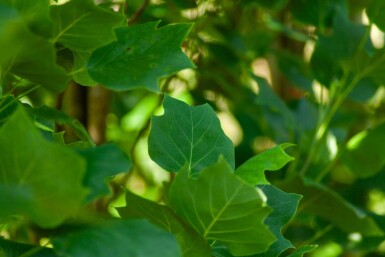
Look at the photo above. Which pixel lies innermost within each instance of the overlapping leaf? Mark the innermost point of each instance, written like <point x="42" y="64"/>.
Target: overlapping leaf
<point x="188" y="135"/>
<point x="38" y="179"/>
<point x="222" y="207"/>
<point x="192" y="243"/>
<point x="118" y="238"/>
<point x="141" y="56"/>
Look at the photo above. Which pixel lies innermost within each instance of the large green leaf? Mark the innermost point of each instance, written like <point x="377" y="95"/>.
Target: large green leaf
<point x="253" y="170"/>
<point x="39" y="179"/>
<point x="188" y="135"/>
<point x="222" y="207"/>
<point x="140" y="57"/>
<point x="364" y="153"/>
<point x="323" y="202"/>
<point x="192" y="243"/>
<point x="103" y="162"/>
<point x="80" y="25"/>
<point x="26" y="54"/>
<point x="119" y="238"/>
<point x="284" y="207"/>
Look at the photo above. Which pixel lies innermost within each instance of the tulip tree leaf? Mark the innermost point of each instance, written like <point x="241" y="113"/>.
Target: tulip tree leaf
<point x="188" y="135"/>
<point x="80" y="25"/>
<point x="284" y="207"/>
<point x="141" y="56"/>
<point x="118" y="238"/>
<point x="103" y="162"/>
<point x="252" y="171"/>
<point x="223" y="208"/>
<point x="38" y="179"/>
<point x="192" y="243"/>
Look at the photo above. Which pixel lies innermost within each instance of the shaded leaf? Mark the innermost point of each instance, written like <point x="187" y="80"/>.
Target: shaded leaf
<point x="103" y="162"/>
<point x="118" y="238"/>
<point x="299" y="252"/>
<point x="223" y="208"/>
<point x="322" y="201"/>
<point x="375" y="13"/>
<point x="141" y="56"/>
<point x="253" y="170"/>
<point x="13" y="249"/>
<point x="189" y="135"/>
<point x="80" y="25"/>
<point x="39" y="179"/>
<point x="192" y="243"/>
<point x="79" y="71"/>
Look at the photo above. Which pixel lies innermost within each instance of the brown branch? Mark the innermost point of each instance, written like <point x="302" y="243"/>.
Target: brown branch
<point x="135" y="17"/>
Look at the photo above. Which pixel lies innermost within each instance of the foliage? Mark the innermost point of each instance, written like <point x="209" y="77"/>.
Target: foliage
<point x="192" y="128"/>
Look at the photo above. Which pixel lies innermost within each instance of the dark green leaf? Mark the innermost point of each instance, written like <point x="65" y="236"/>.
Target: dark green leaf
<point x="253" y="170"/>
<point x="13" y="249"/>
<point x="141" y="56"/>
<point x="39" y="179"/>
<point x="188" y="135"/>
<point x="120" y="238"/>
<point x="192" y="243"/>
<point x="323" y="202"/>
<point x="103" y="162"/>
<point x="375" y="13"/>
<point x="222" y="207"/>
<point x="364" y="153"/>
<point x="80" y="25"/>
<point x="299" y="252"/>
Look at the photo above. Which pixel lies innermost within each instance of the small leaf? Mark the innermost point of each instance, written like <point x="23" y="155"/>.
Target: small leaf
<point x="192" y="243"/>
<point x="253" y="170"/>
<point x="188" y="135"/>
<point x="284" y="207"/>
<point x="39" y="179"/>
<point x="222" y="207"/>
<point x="141" y="56"/>
<point x="80" y="25"/>
<point x="323" y="202"/>
<point x="364" y="152"/>
<point x="103" y="162"/>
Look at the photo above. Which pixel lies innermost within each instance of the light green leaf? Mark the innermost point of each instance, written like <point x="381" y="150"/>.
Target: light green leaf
<point x="79" y="71"/>
<point x="188" y="135"/>
<point x="192" y="243"/>
<point x="80" y="25"/>
<point x="140" y="57"/>
<point x="27" y="55"/>
<point x="284" y="207"/>
<point x="299" y="252"/>
<point x="222" y="207"/>
<point x="364" y="153"/>
<point x="103" y="162"/>
<point x="253" y="170"/>
<point x="118" y="238"/>
<point x="323" y="202"/>
<point x="38" y="179"/>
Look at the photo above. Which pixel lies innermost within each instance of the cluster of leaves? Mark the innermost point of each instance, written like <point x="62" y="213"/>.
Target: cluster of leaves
<point x="54" y="194"/>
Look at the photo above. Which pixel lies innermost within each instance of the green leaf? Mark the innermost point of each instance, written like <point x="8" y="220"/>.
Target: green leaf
<point x="35" y="176"/>
<point x="80" y="25"/>
<point x="188" y="135"/>
<point x="103" y="162"/>
<point x="269" y="4"/>
<point x="12" y="249"/>
<point x="118" y="238"/>
<point x="140" y="57"/>
<point x="365" y="151"/>
<point x="79" y="71"/>
<point x="299" y="252"/>
<point x="222" y="207"/>
<point x="192" y="243"/>
<point x="32" y="58"/>
<point x="323" y="202"/>
<point x="284" y="207"/>
<point x="253" y="170"/>
<point x="375" y="12"/>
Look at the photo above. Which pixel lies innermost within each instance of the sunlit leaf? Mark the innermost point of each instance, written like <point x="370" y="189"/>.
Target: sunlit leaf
<point x="38" y="179"/>
<point x="141" y="56"/>
<point x="253" y="170"/>
<point x="118" y="238"/>
<point x="189" y="135"/>
<point x="222" y="207"/>
<point x="192" y="243"/>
